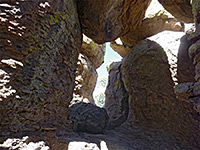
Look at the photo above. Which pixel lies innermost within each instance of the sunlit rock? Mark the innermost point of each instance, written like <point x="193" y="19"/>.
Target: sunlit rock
<point x="85" y="80"/>
<point x="94" y="52"/>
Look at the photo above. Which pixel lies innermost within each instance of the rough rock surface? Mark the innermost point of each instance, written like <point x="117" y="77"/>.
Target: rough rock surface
<point x="122" y="50"/>
<point x="185" y="67"/>
<point x="86" y="77"/>
<point x="43" y="39"/>
<point x="170" y="42"/>
<point x="93" y="51"/>
<point x="87" y="117"/>
<point x="46" y="39"/>
<point x="149" y="27"/>
<point x="152" y="102"/>
<point x="116" y="101"/>
<point x="106" y="20"/>
<point x="180" y="9"/>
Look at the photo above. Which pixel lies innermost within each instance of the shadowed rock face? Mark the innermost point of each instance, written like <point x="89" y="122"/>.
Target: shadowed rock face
<point x="152" y="103"/>
<point x="185" y="69"/>
<point x="105" y="20"/>
<point x="89" y="118"/>
<point x="39" y="46"/>
<point x="116" y="102"/>
<point x="45" y="38"/>
<point x="180" y="9"/>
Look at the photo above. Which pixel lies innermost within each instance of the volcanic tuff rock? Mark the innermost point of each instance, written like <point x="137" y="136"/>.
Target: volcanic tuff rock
<point x="87" y="117"/>
<point x="105" y="20"/>
<point x="85" y="81"/>
<point x="185" y="67"/>
<point x="149" y="27"/>
<point x="116" y="101"/>
<point x="90" y="58"/>
<point x="46" y="39"/>
<point x="180" y="9"/>
<point x="94" y="52"/>
<point x="152" y="102"/>
<point x="122" y="50"/>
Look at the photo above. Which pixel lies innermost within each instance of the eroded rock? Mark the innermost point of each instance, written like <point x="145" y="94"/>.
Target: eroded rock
<point x="185" y="67"/>
<point x="122" y="50"/>
<point x="181" y="10"/>
<point x="116" y="102"/>
<point x="46" y="41"/>
<point x="89" y="118"/>
<point x="94" y="52"/>
<point x="149" y="27"/>
<point x="86" y="77"/>
<point x="152" y="102"/>
<point x="106" y="20"/>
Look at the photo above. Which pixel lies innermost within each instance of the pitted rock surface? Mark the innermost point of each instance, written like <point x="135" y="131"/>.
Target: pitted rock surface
<point x="117" y="98"/>
<point x="85" y="81"/>
<point x="105" y="20"/>
<point x="88" y="118"/>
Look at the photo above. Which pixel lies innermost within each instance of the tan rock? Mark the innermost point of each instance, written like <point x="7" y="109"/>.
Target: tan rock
<point x="152" y="102"/>
<point x="94" y="52"/>
<point x="149" y="27"/>
<point x="181" y="10"/>
<point x="122" y="50"/>
<point x="105" y="20"/>
<point x="86" y="77"/>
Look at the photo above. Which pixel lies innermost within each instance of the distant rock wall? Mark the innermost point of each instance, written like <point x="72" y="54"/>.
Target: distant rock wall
<point x="90" y="58"/>
<point x="117" y="98"/>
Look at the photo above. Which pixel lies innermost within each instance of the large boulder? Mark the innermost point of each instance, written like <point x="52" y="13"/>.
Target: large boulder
<point x="116" y="101"/>
<point x="150" y="27"/>
<point x="180" y="9"/>
<point x="105" y="20"/>
<point x="152" y="102"/>
<point x="88" y="118"/>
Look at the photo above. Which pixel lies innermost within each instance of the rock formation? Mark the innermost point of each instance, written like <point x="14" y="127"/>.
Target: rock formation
<point x="106" y="20"/>
<point x="85" y="80"/>
<point x="116" y="102"/>
<point x="45" y="37"/>
<point x="90" y="58"/>
<point x="182" y="10"/>
<point x="93" y="51"/>
<point x="149" y="27"/>
<point x="89" y="118"/>
<point x="39" y="46"/>
<point x="152" y="102"/>
<point x="185" y="71"/>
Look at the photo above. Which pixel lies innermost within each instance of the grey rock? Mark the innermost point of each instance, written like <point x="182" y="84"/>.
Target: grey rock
<point x="116" y="102"/>
<point x="185" y="67"/>
<point x="89" y="118"/>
